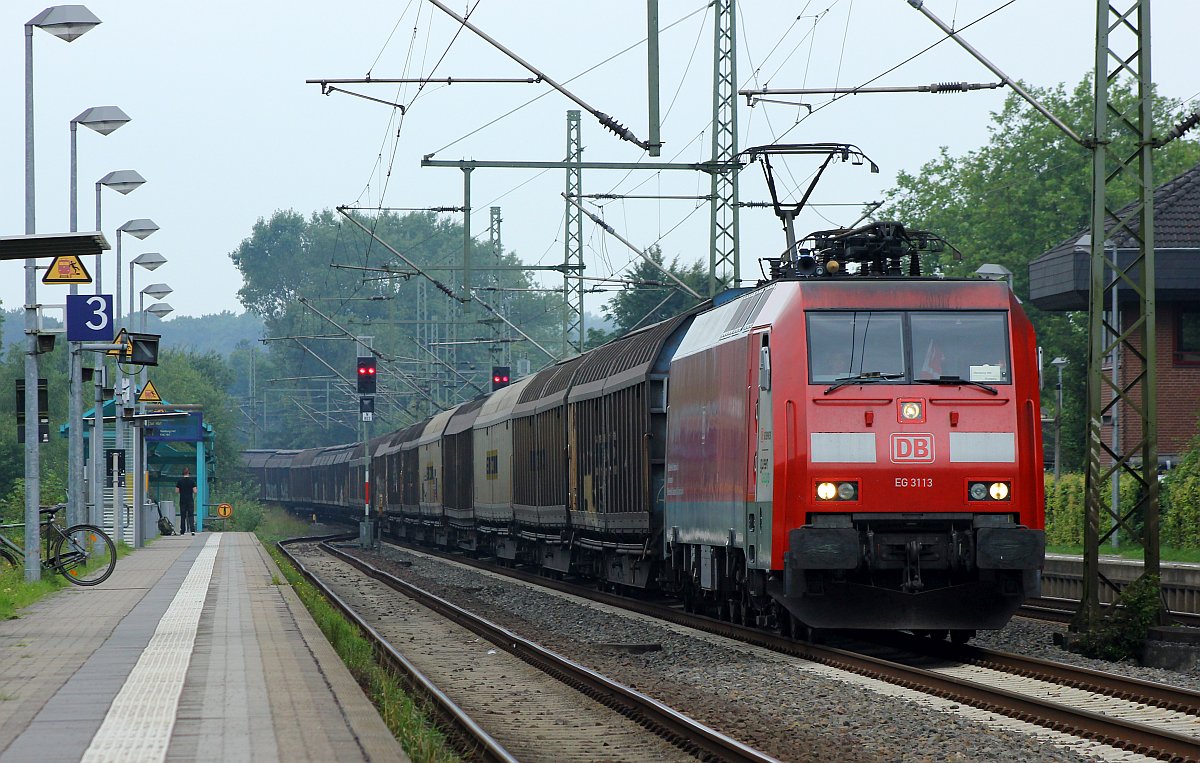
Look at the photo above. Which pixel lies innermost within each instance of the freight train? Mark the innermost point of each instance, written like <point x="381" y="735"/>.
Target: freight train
<point x="850" y="444"/>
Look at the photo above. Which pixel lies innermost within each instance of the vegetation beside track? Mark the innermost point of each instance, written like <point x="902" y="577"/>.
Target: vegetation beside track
<point x="405" y="716"/>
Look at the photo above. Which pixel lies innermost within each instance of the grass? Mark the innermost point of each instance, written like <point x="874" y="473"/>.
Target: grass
<point x="1133" y="551"/>
<point x="408" y="720"/>
<point x="16" y="594"/>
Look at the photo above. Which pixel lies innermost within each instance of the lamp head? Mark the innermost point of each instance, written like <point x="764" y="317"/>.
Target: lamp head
<point x="122" y="181"/>
<point x="159" y="309"/>
<point x="993" y="272"/>
<point x="1060" y="363"/>
<point x="157" y="290"/>
<point x="149" y="260"/>
<point x="66" y="22"/>
<point x="139" y="228"/>
<point x="102" y="119"/>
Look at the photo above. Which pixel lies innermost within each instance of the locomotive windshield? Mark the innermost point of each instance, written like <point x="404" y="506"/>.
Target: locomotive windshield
<point x="907" y="346"/>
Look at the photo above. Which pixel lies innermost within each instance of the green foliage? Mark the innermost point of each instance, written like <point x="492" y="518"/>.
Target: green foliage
<point x="1023" y="193"/>
<point x="218" y="333"/>
<point x="289" y="258"/>
<point x="642" y="306"/>
<point x="247" y="516"/>
<point x="1179" y="508"/>
<point x="1123" y="629"/>
<point x="1180" y="500"/>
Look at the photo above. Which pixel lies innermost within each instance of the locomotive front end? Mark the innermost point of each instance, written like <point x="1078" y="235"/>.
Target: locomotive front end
<point x="920" y="504"/>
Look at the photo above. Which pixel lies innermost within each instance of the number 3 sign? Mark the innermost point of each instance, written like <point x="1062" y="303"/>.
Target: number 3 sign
<point x="89" y="318"/>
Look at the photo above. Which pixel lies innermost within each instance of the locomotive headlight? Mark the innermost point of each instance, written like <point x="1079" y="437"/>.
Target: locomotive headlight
<point x="978" y="491"/>
<point x="998" y="491"/>
<point x="826" y="491"/>
<point x="910" y="410"/>
<point x="847" y="491"/>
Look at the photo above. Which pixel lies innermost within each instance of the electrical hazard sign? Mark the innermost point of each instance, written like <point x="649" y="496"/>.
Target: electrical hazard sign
<point x="149" y="394"/>
<point x="66" y="268"/>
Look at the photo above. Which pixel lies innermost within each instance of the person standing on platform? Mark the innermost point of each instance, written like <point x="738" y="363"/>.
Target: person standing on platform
<point x="186" y="487"/>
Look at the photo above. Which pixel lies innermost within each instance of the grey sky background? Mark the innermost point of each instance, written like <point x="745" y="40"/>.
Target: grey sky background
<point x="226" y="131"/>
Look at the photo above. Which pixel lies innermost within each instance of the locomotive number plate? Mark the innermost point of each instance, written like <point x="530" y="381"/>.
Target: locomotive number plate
<point x="914" y="482"/>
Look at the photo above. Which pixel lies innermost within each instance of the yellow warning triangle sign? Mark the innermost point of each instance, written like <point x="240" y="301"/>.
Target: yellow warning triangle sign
<point x="149" y="394"/>
<point x="66" y="268"/>
<point x="122" y="338"/>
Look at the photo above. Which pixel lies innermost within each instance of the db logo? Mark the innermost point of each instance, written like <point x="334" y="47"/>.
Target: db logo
<point x="912" y="448"/>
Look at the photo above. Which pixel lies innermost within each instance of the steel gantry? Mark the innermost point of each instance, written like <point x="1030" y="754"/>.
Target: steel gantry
<point x="1128" y="344"/>
<point x="724" y="262"/>
<point x="1132" y="392"/>
<point x="573" y="330"/>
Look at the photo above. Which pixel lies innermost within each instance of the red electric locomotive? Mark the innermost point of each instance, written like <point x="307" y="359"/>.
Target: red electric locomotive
<point x="852" y="447"/>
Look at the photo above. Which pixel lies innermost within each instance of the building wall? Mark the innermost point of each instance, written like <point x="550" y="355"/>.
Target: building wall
<point x="1178" y="388"/>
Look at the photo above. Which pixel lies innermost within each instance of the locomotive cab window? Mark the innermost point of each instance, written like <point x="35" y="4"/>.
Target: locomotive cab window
<point x="847" y="345"/>
<point x="898" y="347"/>
<point x="971" y="346"/>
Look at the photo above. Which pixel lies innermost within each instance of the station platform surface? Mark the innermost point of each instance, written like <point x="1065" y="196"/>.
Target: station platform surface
<point x="192" y="650"/>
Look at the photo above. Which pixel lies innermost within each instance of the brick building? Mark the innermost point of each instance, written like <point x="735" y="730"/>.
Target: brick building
<point x="1059" y="280"/>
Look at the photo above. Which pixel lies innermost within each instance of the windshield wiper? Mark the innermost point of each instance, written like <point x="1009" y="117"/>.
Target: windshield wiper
<point x="868" y="377"/>
<point x="957" y="380"/>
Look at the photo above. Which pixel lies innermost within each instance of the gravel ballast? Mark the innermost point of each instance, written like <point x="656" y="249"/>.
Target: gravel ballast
<point x="787" y="707"/>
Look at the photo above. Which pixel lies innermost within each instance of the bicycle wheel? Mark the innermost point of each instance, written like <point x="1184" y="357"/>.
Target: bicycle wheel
<point x="84" y="555"/>
<point x="9" y="560"/>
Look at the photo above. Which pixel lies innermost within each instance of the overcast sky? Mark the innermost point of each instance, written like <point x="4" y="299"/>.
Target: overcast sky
<point x="226" y="131"/>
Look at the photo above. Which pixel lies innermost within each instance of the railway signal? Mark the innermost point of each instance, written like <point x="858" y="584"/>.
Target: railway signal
<point x="500" y="377"/>
<point x="366" y="376"/>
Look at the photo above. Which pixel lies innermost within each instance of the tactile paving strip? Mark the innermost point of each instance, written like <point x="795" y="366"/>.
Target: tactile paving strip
<point x="139" y="722"/>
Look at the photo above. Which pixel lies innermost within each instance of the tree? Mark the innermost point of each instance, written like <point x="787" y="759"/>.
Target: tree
<point x="661" y="298"/>
<point x="435" y="344"/>
<point x="1024" y="192"/>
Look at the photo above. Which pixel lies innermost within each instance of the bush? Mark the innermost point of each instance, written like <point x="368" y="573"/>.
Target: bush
<point x="247" y="515"/>
<point x="1123" y="629"/>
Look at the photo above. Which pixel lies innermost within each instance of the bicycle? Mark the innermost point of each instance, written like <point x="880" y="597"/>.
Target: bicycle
<point x="83" y="554"/>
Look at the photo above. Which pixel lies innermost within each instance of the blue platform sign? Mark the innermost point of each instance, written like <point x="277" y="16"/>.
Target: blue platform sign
<point x="190" y="429"/>
<point x="90" y="318"/>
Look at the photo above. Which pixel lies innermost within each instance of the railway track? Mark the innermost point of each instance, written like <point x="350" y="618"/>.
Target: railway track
<point x="1151" y="719"/>
<point x="1058" y="610"/>
<point x="526" y="706"/>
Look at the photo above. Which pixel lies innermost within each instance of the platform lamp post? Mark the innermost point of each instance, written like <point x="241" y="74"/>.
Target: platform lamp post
<point x="139" y="229"/>
<point x="66" y="22"/>
<point x="1060" y="363"/>
<point x="149" y="261"/>
<point x="104" y="120"/>
<point x="123" y="182"/>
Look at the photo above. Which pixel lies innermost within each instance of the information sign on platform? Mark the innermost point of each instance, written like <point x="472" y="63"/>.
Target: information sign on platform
<point x="89" y="317"/>
<point x="224" y="510"/>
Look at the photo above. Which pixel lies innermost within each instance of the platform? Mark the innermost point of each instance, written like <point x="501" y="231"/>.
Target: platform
<point x="190" y="651"/>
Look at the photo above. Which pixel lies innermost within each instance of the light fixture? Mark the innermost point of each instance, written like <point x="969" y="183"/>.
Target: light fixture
<point x="139" y="228"/>
<point x="159" y="309"/>
<point x="157" y="290"/>
<point x="102" y="119"/>
<point x="122" y="181"/>
<point x="993" y="272"/>
<point x="66" y="22"/>
<point x="150" y="261"/>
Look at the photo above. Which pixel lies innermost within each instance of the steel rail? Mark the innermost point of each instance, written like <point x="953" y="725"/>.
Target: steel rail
<point x="683" y="731"/>
<point x="487" y="747"/>
<point x="1126" y="735"/>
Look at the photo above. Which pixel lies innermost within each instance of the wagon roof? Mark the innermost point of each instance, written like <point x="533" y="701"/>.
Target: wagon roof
<point x="465" y="416"/>
<point x="499" y="405"/>
<point x="627" y="360"/>
<point x="548" y="388"/>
